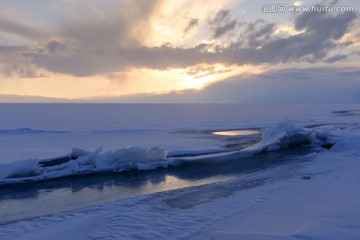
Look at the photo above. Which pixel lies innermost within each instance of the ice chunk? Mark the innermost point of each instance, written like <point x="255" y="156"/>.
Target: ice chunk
<point x="155" y="154"/>
<point x="113" y="160"/>
<point x="348" y="144"/>
<point x="18" y="169"/>
<point x="87" y="159"/>
<point x="282" y="135"/>
<point x="77" y="152"/>
<point x="129" y="156"/>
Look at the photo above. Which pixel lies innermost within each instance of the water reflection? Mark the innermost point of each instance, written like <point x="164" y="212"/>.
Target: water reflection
<point x="242" y="132"/>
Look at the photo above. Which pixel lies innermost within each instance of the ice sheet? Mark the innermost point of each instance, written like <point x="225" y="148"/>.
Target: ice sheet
<point x="318" y="199"/>
<point x="46" y="130"/>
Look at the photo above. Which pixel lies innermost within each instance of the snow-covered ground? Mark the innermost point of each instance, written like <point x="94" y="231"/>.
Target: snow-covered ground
<point x="315" y="197"/>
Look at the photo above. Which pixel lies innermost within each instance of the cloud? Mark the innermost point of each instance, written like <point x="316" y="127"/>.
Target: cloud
<point x="10" y="98"/>
<point x="84" y="35"/>
<point x="85" y="23"/>
<point x="309" y="85"/>
<point x="12" y="26"/>
<point x="54" y="47"/>
<point x="222" y="23"/>
<point x="258" y="33"/>
<point x="193" y="22"/>
<point x="201" y="71"/>
<point x="336" y="58"/>
<point x="12" y="62"/>
<point x="101" y="27"/>
<point x="96" y="39"/>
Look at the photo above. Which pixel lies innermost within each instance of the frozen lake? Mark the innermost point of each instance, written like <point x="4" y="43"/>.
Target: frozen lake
<point x="192" y="133"/>
<point x="49" y="130"/>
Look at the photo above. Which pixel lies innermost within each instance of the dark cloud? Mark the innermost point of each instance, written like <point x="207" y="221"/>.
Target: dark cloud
<point x="222" y="23"/>
<point x="193" y="22"/>
<point x="87" y="24"/>
<point x="82" y="37"/>
<point x="77" y="65"/>
<point x="324" y="25"/>
<point x="221" y="17"/>
<point x="320" y="32"/>
<point x="55" y="47"/>
<point x="122" y="24"/>
<point x="12" y="62"/>
<point x="223" y="29"/>
<point x="258" y="33"/>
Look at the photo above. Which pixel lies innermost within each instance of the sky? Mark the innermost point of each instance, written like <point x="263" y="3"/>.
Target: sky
<point x="179" y="51"/>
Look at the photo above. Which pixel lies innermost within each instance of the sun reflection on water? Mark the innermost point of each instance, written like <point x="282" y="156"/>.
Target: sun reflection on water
<point x="236" y="132"/>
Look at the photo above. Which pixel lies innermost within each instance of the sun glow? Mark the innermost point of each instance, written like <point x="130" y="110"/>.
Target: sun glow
<point x="298" y="3"/>
<point x="199" y="76"/>
<point x="133" y="81"/>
